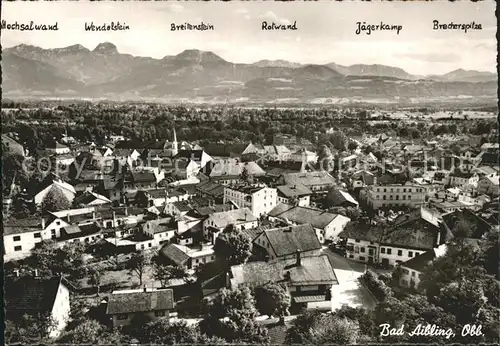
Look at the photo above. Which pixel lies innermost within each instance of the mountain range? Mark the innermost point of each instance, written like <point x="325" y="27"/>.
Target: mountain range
<point x="104" y="72"/>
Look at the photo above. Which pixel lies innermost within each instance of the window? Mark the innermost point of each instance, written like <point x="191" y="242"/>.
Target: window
<point x="412" y="273"/>
<point x="389" y="251"/>
<point x="385" y="190"/>
<point x="384" y="197"/>
<point x="397" y="197"/>
<point x="362" y="249"/>
<point x="410" y="253"/>
<point x="404" y="197"/>
<point x="17" y="238"/>
<point x="159" y="313"/>
<point x="37" y="235"/>
<point x="400" y="252"/>
<point x="58" y="223"/>
<point x="406" y="271"/>
<point x="356" y="249"/>
<point x="382" y="250"/>
<point x="122" y="317"/>
<point x="378" y="197"/>
<point x="356" y="240"/>
<point x="404" y="190"/>
<point x="361" y="258"/>
<point x="390" y="197"/>
<point x="18" y="248"/>
<point x="409" y="197"/>
<point x="351" y="256"/>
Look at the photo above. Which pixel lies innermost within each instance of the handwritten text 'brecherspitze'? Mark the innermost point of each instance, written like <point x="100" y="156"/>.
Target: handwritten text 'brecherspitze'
<point x="368" y="28"/>
<point x="456" y="26"/>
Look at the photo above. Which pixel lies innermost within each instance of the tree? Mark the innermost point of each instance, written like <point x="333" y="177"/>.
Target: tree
<point x="272" y="299"/>
<point x="232" y="247"/>
<point x="137" y="264"/>
<point x="44" y="258"/>
<point x="245" y="176"/>
<point x="318" y="328"/>
<point x="231" y="315"/>
<point x="94" y="278"/>
<point x="55" y="200"/>
<point x="361" y="315"/>
<point x="352" y="146"/>
<point x="164" y="273"/>
<point x="339" y="140"/>
<point x="86" y="332"/>
<point x="164" y="332"/>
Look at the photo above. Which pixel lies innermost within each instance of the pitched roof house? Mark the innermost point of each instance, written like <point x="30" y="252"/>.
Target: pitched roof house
<point x="37" y="296"/>
<point x="123" y="306"/>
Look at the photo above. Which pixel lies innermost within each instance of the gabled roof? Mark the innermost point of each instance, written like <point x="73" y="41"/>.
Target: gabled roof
<point x="143" y="176"/>
<point x="308" y="178"/>
<point x="121" y="303"/>
<point x="298" y="190"/>
<point x="303" y="215"/>
<point x="419" y="262"/>
<point x="338" y="197"/>
<point x="418" y="230"/>
<point x="287" y="240"/>
<point x="75" y="231"/>
<point x="231" y="167"/>
<point x="31" y="295"/>
<point x="53" y="180"/>
<point x="88" y="197"/>
<point x="236" y="216"/>
<point x="312" y="270"/>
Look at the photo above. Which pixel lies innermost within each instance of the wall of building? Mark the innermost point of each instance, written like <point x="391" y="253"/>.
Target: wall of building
<point x="60" y="311"/>
<point x="408" y="275"/>
<point x="125" y="322"/>
<point x="337" y="225"/>
<point x="401" y="195"/>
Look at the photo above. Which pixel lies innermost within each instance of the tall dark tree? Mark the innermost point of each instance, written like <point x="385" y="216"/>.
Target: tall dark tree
<point x="272" y="300"/>
<point x="232" y="247"/>
<point x="137" y="264"/>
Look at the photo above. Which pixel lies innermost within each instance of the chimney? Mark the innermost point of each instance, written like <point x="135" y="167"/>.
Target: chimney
<point x="93" y="215"/>
<point x="126" y="211"/>
<point x="438" y="240"/>
<point x="144" y="288"/>
<point x="36" y="273"/>
<point x="43" y="222"/>
<point x="16" y="272"/>
<point x="297" y="254"/>
<point x="114" y="216"/>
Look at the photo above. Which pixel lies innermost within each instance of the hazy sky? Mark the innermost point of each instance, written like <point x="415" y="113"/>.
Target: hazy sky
<point x="326" y="31"/>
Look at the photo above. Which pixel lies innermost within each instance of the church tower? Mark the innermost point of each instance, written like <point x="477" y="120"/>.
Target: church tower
<point x="175" y="148"/>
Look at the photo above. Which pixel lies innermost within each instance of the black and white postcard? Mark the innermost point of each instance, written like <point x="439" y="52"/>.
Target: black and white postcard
<point x="250" y="172"/>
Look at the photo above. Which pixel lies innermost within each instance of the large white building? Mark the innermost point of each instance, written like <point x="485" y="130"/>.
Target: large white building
<point x="259" y="199"/>
<point x="394" y="195"/>
<point x="408" y="236"/>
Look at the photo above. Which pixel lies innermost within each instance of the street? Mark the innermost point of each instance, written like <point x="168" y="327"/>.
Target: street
<point x="349" y="291"/>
